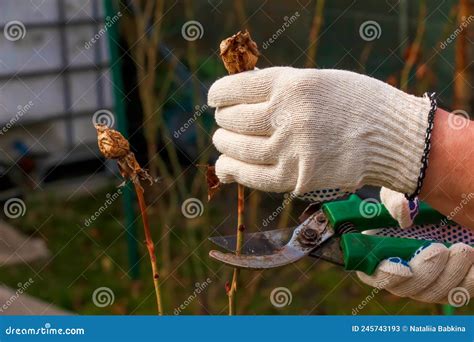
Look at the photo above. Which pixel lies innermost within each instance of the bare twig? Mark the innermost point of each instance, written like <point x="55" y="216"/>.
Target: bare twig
<point x="239" y="8"/>
<point x="148" y="22"/>
<point x="415" y="47"/>
<point x="231" y="293"/>
<point x="239" y="53"/>
<point x="113" y="145"/>
<point x="462" y="90"/>
<point x="314" y="34"/>
<point x="149" y="244"/>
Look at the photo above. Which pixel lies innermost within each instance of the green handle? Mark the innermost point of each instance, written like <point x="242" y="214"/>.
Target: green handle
<point x="364" y="252"/>
<point x="367" y="214"/>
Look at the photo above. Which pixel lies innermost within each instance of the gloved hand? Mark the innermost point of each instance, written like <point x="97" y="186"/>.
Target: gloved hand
<point x="317" y="133"/>
<point x="401" y="209"/>
<point x="435" y="274"/>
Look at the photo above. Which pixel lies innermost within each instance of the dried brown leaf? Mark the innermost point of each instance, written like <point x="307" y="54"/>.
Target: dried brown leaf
<point x="239" y="52"/>
<point x="213" y="182"/>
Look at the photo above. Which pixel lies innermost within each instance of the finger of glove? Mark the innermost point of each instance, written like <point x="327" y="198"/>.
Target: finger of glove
<point x="401" y="209"/>
<point x="461" y="295"/>
<point x="267" y="178"/>
<point x="460" y="261"/>
<point x="426" y="265"/>
<point x="250" y="119"/>
<point x="246" y="87"/>
<point x="389" y="273"/>
<point x="246" y="148"/>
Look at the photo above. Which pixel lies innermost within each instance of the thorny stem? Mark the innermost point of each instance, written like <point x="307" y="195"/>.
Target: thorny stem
<point x="149" y="244"/>
<point x="239" y="53"/>
<point x="240" y="237"/>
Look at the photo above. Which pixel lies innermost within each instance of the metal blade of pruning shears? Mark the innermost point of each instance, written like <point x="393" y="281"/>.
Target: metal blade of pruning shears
<point x="258" y="243"/>
<point x="261" y="243"/>
<point x="267" y="249"/>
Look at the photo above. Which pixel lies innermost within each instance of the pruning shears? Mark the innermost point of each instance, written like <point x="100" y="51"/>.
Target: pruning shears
<point x="332" y="232"/>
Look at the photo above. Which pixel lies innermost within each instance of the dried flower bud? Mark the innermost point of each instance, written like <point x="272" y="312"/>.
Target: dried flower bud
<point x="112" y="144"/>
<point x="239" y="52"/>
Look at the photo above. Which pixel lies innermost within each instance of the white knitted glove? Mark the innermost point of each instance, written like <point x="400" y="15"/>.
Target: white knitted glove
<point x="401" y="209"/>
<point x="435" y="274"/>
<point x="319" y="132"/>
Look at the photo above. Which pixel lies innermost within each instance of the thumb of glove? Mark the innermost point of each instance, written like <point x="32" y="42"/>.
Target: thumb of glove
<point x="401" y="209"/>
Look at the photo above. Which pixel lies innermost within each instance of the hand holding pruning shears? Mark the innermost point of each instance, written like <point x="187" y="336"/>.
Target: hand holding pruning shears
<point x="324" y="133"/>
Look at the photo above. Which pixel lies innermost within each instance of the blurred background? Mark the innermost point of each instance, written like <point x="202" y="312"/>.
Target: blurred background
<point x="72" y="242"/>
